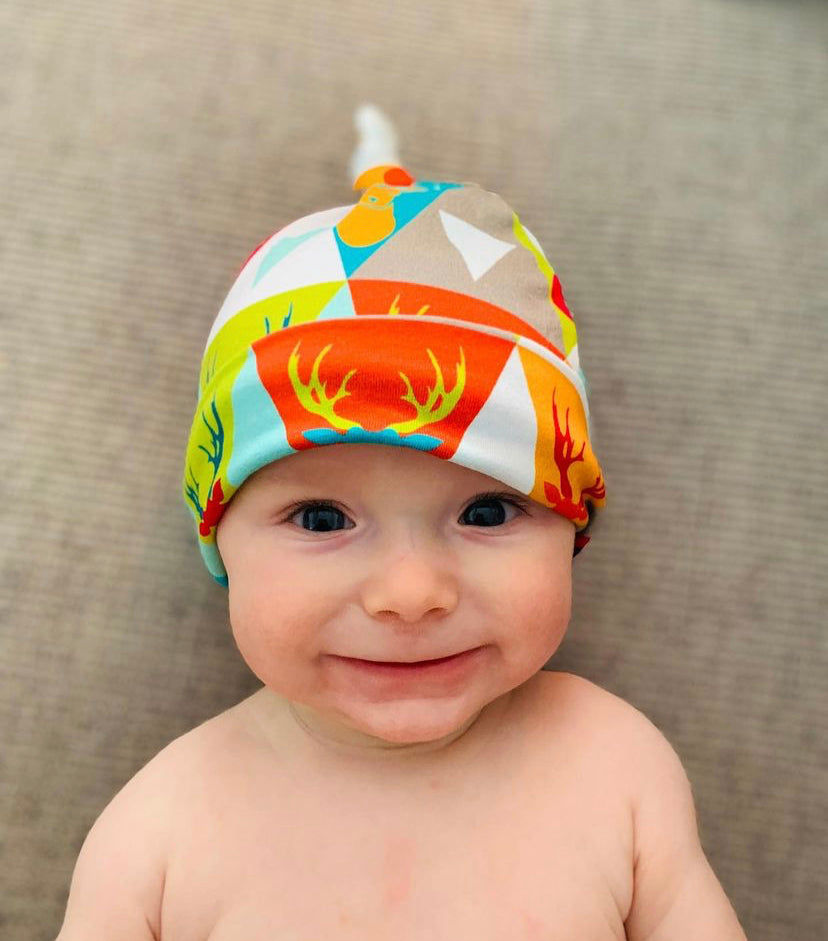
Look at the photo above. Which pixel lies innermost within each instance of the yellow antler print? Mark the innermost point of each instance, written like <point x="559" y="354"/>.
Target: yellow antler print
<point x="323" y="406"/>
<point x="427" y="414"/>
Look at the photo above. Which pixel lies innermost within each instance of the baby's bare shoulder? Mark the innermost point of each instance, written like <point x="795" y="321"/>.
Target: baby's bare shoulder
<point x="159" y="794"/>
<point x="120" y="870"/>
<point x="601" y="721"/>
<point x="158" y="778"/>
<point x="576" y="696"/>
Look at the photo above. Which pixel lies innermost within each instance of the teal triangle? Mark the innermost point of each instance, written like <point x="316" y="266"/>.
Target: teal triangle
<point x="279" y="250"/>
<point x="258" y="427"/>
<point x="407" y="205"/>
<point x="340" y="305"/>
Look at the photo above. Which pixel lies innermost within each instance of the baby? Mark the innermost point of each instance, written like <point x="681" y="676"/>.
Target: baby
<point x="390" y="469"/>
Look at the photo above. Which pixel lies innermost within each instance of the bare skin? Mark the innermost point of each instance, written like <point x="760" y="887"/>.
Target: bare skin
<point x="492" y="802"/>
<point x="534" y="830"/>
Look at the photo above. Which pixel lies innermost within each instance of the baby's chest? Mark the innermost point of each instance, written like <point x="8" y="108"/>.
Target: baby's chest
<point x="504" y="877"/>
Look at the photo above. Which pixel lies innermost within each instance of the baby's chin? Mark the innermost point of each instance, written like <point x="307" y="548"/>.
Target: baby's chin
<point x="401" y="726"/>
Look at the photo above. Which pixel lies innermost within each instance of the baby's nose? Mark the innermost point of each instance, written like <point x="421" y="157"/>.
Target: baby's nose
<point x="411" y="585"/>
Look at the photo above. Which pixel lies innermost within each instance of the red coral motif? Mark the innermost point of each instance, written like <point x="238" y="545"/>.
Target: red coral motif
<point x="558" y="297"/>
<point x="597" y="490"/>
<point x="213" y="511"/>
<point x="564" y="505"/>
<point x="561" y="499"/>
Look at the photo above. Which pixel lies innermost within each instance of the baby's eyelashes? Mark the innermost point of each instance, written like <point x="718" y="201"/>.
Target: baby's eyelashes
<point x="485" y="510"/>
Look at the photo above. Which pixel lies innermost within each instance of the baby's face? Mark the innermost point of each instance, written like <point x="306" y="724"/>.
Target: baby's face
<point x="404" y="562"/>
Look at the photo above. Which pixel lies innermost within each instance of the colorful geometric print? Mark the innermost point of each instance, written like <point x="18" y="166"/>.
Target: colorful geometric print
<point x="425" y="316"/>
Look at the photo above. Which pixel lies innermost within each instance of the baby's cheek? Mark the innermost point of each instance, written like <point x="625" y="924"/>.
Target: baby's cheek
<point x="548" y="582"/>
<point x="277" y="634"/>
<point x="548" y="610"/>
<point x="255" y="620"/>
<point x="264" y="649"/>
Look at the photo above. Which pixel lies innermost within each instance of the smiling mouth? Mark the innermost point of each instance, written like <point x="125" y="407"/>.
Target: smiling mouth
<point x="394" y="674"/>
<point x="408" y="663"/>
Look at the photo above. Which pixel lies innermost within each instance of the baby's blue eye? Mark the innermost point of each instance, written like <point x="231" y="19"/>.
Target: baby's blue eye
<point x="483" y="510"/>
<point x="320" y="514"/>
<point x="322" y="517"/>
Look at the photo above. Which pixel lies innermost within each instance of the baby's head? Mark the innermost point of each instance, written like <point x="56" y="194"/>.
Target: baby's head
<point x="390" y="459"/>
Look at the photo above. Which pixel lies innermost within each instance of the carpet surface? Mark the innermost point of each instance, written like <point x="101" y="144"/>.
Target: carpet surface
<point x="670" y="156"/>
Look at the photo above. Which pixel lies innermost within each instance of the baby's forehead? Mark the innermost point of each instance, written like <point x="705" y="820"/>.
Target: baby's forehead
<point x="370" y="468"/>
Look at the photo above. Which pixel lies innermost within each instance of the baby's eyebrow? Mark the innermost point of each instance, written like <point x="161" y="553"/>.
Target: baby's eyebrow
<point x="309" y="482"/>
<point x="287" y="476"/>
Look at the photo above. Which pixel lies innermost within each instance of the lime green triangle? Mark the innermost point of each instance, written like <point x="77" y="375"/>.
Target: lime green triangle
<point x="567" y="323"/>
<point x="297" y="306"/>
<point x="570" y="336"/>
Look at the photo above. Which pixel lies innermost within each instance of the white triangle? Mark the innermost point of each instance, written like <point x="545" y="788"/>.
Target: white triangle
<point x="478" y="249"/>
<point x="302" y="266"/>
<point x="508" y="414"/>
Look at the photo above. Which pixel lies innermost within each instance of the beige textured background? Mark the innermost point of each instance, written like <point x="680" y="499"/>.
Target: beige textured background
<point x="669" y="154"/>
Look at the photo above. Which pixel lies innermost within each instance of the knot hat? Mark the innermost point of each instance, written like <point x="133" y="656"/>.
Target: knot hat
<point x="424" y="316"/>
